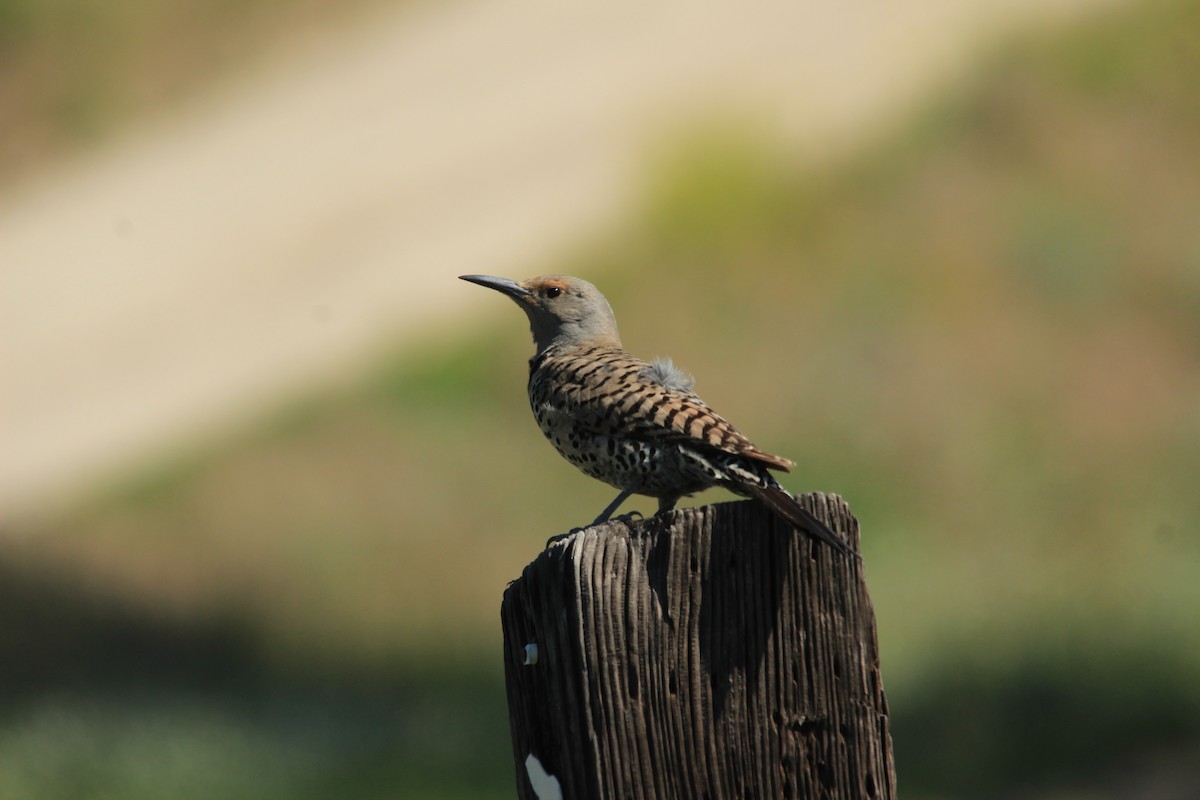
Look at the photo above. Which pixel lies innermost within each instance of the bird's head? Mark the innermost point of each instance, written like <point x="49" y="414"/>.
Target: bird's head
<point x="562" y="311"/>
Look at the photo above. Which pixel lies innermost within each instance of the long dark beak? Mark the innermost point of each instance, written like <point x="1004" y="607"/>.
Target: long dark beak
<point x="504" y="285"/>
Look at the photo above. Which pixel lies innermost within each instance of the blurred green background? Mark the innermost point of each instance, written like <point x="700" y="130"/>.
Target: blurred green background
<point x="72" y="71"/>
<point x="984" y="332"/>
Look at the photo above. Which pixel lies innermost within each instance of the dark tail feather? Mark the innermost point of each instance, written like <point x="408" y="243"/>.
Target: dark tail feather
<point x="788" y="509"/>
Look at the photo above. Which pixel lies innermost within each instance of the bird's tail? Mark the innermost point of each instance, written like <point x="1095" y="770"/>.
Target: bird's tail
<point x="787" y="508"/>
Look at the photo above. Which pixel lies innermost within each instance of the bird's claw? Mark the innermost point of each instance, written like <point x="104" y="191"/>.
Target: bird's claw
<point x="625" y="519"/>
<point x="553" y="540"/>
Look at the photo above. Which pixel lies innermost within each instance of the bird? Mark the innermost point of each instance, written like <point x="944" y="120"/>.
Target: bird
<point x="638" y="426"/>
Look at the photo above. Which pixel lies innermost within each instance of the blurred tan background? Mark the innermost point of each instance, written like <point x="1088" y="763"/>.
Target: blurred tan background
<point x="272" y="230"/>
<point x="266" y="466"/>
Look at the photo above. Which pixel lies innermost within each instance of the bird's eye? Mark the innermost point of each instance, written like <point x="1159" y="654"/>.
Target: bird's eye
<point x="553" y="291"/>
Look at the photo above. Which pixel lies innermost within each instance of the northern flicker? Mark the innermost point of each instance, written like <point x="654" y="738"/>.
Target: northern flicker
<point x="635" y="425"/>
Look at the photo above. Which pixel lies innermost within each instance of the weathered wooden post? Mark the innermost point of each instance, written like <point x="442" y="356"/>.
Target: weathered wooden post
<point x="715" y="653"/>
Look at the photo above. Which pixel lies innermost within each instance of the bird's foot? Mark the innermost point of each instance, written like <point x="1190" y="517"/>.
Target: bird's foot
<point x="553" y="540"/>
<point x="561" y="536"/>
<point x="625" y="519"/>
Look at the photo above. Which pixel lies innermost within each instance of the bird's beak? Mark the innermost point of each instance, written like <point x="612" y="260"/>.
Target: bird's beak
<point x="504" y="285"/>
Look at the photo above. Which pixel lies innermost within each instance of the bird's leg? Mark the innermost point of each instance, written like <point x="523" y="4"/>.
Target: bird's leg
<point x="666" y="504"/>
<point x="613" y="506"/>
<point x="605" y="515"/>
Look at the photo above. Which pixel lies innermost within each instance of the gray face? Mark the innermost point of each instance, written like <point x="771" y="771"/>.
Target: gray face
<point x="563" y="311"/>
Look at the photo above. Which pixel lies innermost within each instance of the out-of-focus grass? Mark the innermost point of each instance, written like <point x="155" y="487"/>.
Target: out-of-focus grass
<point x="985" y="334"/>
<point x="70" y="69"/>
<point x="107" y="696"/>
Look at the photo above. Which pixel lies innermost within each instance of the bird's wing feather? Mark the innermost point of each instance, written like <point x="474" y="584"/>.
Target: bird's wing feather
<point x="613" y="391"/>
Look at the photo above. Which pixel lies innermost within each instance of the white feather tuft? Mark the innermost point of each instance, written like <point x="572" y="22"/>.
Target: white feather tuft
<point x="664" y="372"/>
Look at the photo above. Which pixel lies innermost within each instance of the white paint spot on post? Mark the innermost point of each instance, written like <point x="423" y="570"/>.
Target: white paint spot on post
<point x="545" y="785"/>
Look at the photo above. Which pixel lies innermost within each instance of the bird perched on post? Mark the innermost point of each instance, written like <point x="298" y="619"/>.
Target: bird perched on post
<point x="635" y="425"/>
